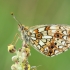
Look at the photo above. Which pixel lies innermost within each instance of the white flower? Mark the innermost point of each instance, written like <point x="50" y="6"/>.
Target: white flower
<point x="14" y="58"/>
<point x="14" y="67"/>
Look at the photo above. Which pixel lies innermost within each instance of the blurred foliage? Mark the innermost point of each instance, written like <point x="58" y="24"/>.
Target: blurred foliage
<point x="30" y="13"/>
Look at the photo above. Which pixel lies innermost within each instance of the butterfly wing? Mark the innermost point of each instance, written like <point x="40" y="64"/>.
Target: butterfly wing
<point x="50" y="40"/>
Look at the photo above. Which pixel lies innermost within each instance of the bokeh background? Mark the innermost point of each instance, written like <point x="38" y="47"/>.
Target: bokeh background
<point x="30" y="13"/>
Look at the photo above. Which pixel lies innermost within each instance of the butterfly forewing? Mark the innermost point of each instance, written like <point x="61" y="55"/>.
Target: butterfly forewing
<point x="50" y="40"/>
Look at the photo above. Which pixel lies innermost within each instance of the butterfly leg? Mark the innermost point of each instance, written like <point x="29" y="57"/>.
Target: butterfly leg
<point x="11" y="47"/>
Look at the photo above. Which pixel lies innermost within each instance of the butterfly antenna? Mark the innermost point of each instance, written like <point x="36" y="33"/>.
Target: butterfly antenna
<point x="19" y="23"/>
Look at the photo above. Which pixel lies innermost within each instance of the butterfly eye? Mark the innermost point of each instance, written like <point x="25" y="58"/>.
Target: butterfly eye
<point x="22" y="27"/>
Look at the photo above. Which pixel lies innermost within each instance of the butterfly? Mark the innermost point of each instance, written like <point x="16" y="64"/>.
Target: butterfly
<point x="49" y="40"/>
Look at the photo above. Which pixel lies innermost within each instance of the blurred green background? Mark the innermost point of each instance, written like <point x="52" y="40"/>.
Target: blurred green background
<point x="30" y="13"/>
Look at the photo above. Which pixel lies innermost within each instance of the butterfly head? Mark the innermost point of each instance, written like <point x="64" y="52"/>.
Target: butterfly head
<point x="24" y="31"/>
<point x="20" y="27"/>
